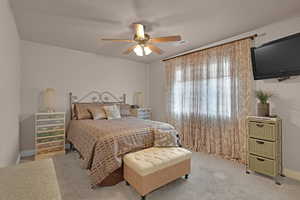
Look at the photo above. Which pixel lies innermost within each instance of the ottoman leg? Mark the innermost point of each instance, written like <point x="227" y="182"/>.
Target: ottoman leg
<point x="143" y="198"/>
<point x="126" y="182"/>
<point x="186" y="176"/>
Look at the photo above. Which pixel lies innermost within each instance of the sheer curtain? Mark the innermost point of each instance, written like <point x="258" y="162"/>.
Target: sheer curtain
<point x="209" y="97"/>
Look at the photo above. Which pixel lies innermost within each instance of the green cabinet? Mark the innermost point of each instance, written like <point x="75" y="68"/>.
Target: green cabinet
<point x="264" y="153"/>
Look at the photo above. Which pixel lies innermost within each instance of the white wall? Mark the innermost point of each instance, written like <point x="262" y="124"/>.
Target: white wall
<point x="9" y="86"/>
<point x="68" y="70"/>
<point x="157" y="90"/>
<point x="285" y="103"/>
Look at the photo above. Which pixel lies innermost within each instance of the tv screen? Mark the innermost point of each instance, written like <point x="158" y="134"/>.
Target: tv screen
<point x="280" y="58"/>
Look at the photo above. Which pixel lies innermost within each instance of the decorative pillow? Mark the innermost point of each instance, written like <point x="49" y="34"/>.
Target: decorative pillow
<point x="125" y="110"/>
<point x="81" y="111"/>
<point x="112" y="112"/>
<point x="165" y="138"/>
<point x="98" y="113"/>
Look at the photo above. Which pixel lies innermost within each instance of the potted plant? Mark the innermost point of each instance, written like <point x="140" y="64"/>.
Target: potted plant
<point x="263" y="107"/>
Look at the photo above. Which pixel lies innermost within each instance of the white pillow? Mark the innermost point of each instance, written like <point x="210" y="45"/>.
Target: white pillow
<point x="112" y="112"/>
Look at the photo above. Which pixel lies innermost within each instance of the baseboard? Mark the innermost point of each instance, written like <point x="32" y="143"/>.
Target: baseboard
<point x="291" y="174"/>
<point x="27" y="153"/>
<point x="18" y="159"/>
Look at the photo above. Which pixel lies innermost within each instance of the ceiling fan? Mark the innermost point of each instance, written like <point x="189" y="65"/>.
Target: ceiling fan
<point x="144" y="43"/>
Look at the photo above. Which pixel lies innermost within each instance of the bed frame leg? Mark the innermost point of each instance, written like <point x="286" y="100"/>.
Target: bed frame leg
<point x="186" y="176"/>
<point x="93" y="187"/>
<point x="71" y="147"/>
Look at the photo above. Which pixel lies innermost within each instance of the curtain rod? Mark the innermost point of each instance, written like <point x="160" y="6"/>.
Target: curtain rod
<point x="198" y="50"/>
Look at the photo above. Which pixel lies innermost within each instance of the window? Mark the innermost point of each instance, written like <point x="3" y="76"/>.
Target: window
<point x="212" y="92"/>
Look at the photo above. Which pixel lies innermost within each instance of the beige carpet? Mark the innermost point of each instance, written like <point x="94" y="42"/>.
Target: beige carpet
<point x="211" y="179"/>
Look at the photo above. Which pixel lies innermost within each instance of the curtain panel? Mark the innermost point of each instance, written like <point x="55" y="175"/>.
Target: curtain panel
<point x="209" y="96"/>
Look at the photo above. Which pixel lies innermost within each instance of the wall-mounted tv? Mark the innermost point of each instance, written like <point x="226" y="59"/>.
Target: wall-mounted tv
<point x="277" y="59"/>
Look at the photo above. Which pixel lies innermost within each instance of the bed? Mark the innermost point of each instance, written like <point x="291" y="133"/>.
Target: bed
<point x="102" y="143"/>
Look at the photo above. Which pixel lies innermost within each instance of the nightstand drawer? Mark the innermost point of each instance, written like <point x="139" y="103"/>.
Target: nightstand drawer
<point x="50" y="122"/>
<point x="144" y="115"/>
<point x="262" y="148"/>
<point x="141" y="113"/>
<point x="52" y="133"/>
<point x="50" y="150"/>
<point x="262" y="131"/>
<point x="50" y="139"/>
<point x="50" y="144"/>
<point x="262" y="165"/>
<point x="50" y="128"/>
<point x="50" y="116"/>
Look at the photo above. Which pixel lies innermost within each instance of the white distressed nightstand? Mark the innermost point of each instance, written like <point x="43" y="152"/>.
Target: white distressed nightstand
<point x="141" y="113"/>
<point x="49" y="134"/>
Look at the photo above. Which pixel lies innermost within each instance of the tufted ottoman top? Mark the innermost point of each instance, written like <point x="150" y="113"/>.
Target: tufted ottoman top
<point x="153" y="159"/>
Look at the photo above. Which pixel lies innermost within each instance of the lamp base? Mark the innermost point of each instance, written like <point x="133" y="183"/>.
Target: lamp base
<point x="50" y="110"/>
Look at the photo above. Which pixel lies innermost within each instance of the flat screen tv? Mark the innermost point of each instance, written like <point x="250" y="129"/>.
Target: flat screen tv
<point x="277" y="59"/>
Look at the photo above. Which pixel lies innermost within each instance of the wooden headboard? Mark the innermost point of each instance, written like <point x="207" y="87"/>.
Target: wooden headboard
<point x="95" y="97"/>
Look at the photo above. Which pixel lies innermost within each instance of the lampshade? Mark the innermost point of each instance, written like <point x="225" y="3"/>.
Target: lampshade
<point x="49" y="99"/>
<point x="139" y="99"/>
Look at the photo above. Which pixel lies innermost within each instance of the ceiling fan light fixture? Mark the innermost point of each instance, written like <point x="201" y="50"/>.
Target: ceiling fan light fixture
<point x="147" y="50"/>
<point x="144" y="44"/>
<point x="138" y="50"/>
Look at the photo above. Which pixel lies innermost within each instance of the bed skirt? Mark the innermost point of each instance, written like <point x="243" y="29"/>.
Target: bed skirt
<point x="114" y="178"/>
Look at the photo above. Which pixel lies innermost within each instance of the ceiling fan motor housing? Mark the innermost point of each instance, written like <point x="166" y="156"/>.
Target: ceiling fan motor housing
<point x="141" y="40"/>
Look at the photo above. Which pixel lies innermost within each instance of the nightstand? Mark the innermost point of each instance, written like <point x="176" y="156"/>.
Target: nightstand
<point x="141" y="113"/>
<point x="49" y="134"/>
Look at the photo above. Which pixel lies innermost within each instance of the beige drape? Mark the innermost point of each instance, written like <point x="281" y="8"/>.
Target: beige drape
<point x="209" y="96"/>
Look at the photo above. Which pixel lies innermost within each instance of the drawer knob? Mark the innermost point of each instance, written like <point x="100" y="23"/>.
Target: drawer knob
<point x="259" y="142"/>
<point x="260" y="159"/>
<point x="260" y="125"/>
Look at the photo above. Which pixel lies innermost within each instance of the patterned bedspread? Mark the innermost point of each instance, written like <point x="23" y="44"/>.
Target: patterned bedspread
<point x="102" y="143"/>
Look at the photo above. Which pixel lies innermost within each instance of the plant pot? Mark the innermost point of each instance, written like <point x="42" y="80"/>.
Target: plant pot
<point x="263" y="110"/>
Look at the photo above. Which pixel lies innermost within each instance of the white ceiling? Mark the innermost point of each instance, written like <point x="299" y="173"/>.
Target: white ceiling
<point x="78" y="24"/>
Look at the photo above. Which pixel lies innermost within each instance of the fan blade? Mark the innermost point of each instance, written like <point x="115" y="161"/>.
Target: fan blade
<point x="117" y="40"/>
<point x="155" y="49"/>
<point x="139" y="31"/>
<point x="129" y="50"/>
<point x="166" y="39"/>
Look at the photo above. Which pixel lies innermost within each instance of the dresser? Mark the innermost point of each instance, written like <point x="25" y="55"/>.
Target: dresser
<point x="264" y="146"/>
<point x="49" y="134"/>
<point x="141" y="113"/>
